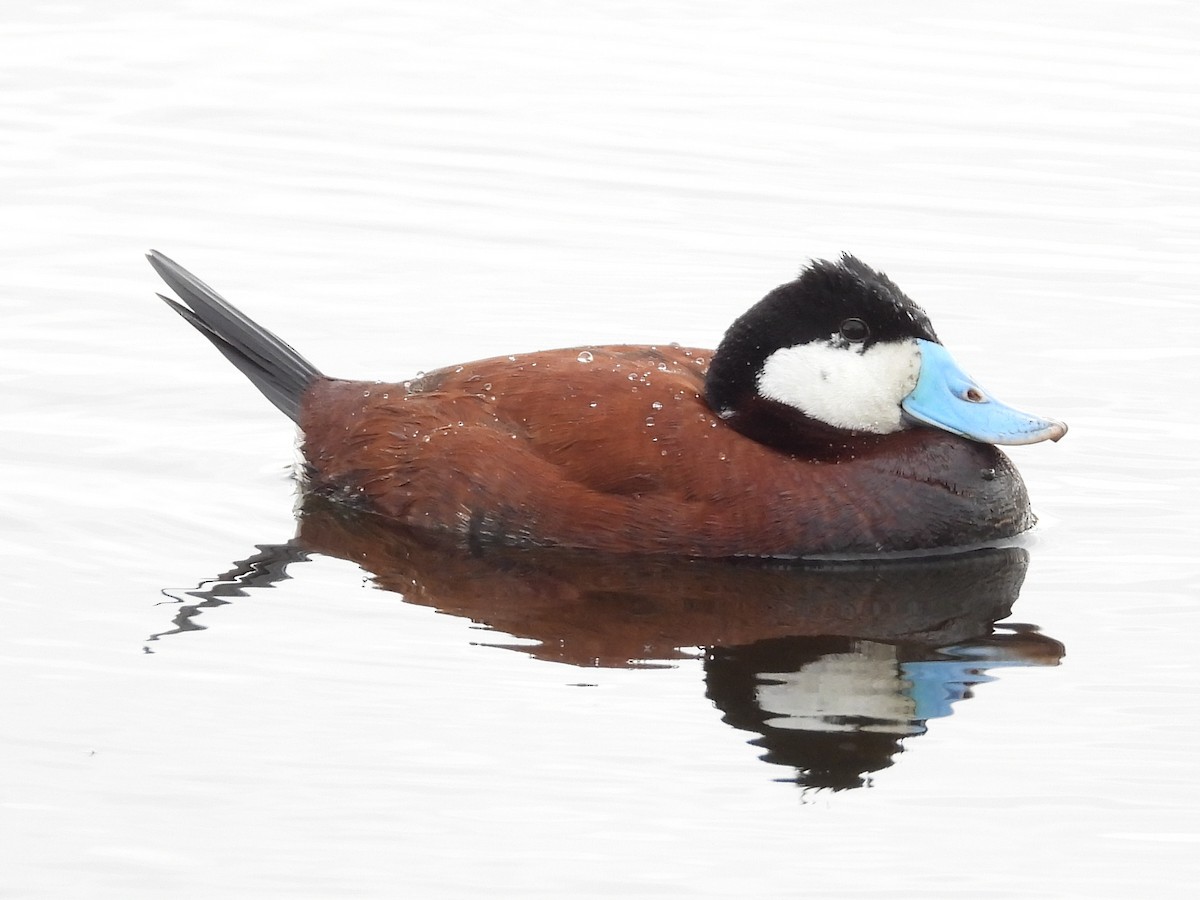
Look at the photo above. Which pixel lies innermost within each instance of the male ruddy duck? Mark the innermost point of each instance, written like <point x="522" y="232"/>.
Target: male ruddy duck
<point x="829" y="420"/>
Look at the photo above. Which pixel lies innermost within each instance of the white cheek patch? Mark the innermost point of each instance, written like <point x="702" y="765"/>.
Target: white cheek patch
<point x="846" y="387"/>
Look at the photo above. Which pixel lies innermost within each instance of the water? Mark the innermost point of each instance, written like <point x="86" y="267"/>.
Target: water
<point x="396" y="187"/>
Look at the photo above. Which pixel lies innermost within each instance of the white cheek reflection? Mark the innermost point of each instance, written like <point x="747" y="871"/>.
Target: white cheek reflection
<point x="861" y="691"/>
<point x="846" y="387"/>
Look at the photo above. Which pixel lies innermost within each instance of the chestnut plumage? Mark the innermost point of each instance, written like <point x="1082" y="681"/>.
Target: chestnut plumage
<point x="638" y="449"/>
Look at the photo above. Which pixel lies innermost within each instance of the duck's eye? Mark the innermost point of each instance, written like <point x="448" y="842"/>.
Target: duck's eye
<point x="855" y="331"/>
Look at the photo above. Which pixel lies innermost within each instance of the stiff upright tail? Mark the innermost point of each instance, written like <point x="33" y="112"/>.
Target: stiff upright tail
<point x="282" y="374"/>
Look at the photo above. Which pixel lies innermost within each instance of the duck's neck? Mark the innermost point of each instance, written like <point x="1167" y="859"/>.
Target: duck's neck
<point x="788" y="430"/>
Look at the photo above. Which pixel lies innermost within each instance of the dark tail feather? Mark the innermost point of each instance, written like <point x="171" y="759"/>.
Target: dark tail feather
<point x="282" y="374"/>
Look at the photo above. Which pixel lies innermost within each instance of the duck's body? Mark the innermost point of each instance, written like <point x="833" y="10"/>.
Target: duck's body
<point x="623" y="449"/>
<point x="614" y="448"/>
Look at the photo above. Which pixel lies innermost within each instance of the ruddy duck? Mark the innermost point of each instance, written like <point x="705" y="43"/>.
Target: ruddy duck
<point x="829" y="420"/>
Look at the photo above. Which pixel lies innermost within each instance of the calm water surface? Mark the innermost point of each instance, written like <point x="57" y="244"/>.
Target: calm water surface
<point x="200" y="700"/>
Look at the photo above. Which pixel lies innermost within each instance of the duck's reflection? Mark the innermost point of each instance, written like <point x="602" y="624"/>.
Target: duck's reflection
<point x="835" y="709"/>
<point x="831" y="664"/>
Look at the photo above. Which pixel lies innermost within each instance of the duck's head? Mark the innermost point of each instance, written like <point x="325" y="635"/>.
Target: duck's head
<point x="841" y="355"/>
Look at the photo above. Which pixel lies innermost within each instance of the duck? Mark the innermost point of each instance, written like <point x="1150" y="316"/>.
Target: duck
<point x="828" y="421"/>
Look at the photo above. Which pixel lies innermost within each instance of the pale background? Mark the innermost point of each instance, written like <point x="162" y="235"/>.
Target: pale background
<point x="397" y="186"/>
